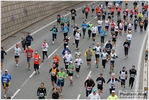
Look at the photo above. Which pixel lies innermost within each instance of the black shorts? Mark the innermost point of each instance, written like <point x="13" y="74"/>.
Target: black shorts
<point x="107" y="27"/>
<point x="16" y="56"/>
<point x="97" y="55"/>
<point x="121" y="29"/>
<point x="88" y="59"/>
<point x="5" y="85"/>
<point x="116" y="32"/>
<point x="58" y="21"/>
<point x="83" y="12"/>
<point x="126" y="51"/>
<point x="72" y="18"/>
<point x="129" y="29"/>
<point x="62" y="24"/>
<point x="93" y="35"/>
<point x="100" y="87"/>
<point x="113" y="39"/>
<point x="93" y="10"/>
<point x="60" y="84"/>
<point x="36" y="66"/>
<point x="112" y="13"/>
<point x="53" y="79"/>
<point x="78" y="69"/>
<point x="112" y="62"/>
<point x="141" y="26"/>
<point x="108" y="52"/>
<point x="70" y="74"/>
<point x="122" y="82"/>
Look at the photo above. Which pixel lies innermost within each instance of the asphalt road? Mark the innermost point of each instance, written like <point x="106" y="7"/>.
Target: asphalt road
<point x="24" y="83"/>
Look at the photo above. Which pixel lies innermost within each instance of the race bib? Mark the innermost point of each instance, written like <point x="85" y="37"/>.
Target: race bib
<point x="41" y="94"/>
<point x="89" y="88"/>
<point x="60" y="78"/>
<point x="4" y="80"/>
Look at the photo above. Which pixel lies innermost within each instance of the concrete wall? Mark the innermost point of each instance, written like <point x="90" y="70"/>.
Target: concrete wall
<point x="15" y="15"/>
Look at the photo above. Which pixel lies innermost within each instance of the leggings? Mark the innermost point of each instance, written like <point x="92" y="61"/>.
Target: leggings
<point x="44" y="53"/>
<point x="54" y="36"/>
<point x="104" y="63"/>
<point x="77" y="43"/>
<point x="131" y="81"/>
<point x="89" y="33"/>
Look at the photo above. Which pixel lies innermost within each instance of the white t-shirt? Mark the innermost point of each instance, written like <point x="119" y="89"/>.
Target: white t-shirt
<point x="99" y="22"/>
<point x="78" y="62"/>
<point x="68" y="57"/>
<point x="121" y="25"/>
<point x="77" y="53"/>
<point x="17" y="51"/>
<point x="117" y="5"/>
<point x="104" y="55"/>
<point x="109" y="4"/>
<point x="129" y="26"/>
<point x="106" y="22"/>
<point x="94" y="30"/>
<point x="129" y="36"/>
<point x="92" y="96"/>
<point x="97" y="49"/>
<point x="113" y="56"/>
<point x="116" y="28"/>
<point x="77" y="36"/>
<point x="45" y="47"/>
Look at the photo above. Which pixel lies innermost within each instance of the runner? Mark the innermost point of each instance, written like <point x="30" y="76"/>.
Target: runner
<point x="58" y="19"/>
<point x="55" y="94"/>
<point x="131" y="14"/>
<point x="132" y="73"/>
<point x="23" y="41"/>
<point x="65" y="50"/>
<point x="141" y="26"/>
<point x="53" y="71"/>
<point x="77" y="38"/>
<point x="104" y="57"/>
<point x="97" y="10"/>
<point x="90" y="25"/>
<point x="75" y="28"/>
<point x="17" y="52"/>
<point x="77" y="53"/>
<point x="116" y="30"/>
<point x="130" y="26"/>
<point x="56" y="60"/>
<point x="84" y="27"/>
<point x="99" y="22"/>
<point x="65" y="30"/>
<point x="54" y="34"/>
<point x="126" y="25"/>
<point x="112" y="96"/>
<point x="73" y="14"/>
<point x="112" y="11"/>
<point x="94" y="31"/>
<point x="123" y="77"/>
<point x="29" y="52"/>
<point x="126" y="47"/>
<point x="29" y="39"/>
<point x="41" y="91"/>
<point x="65" y="41"/>
<point x="135" y="24"/>
<point x="87" y="9"/>
<point x="121" y="25"/>
<point x="112" y="81"/>
<point x="67" y="58"/>
<point x="93" y="8"/>
<point x="145" y="23"/>
<point x="119" y="11"/>
<point x="70" y="69"/>
<point x="62" y="22"/>
<point x="6" y="81"/>
<point x="61" y="76"/>
<point x="107" y="25"/>
<point x="108" y="47"/>
<point x="112" y="27"/>
<point x="102" y="36"/>
<point x="94" y="95"/>
<point x="3" y="54"/>
<point x="36" y="62"/>
<point x="129" y="37"/>
<point x="88" y="54"/>
<point x="83" y="10"/>
<point x="97" y="50"/>
<point x="89" y="84"/>
<point x="124" y="14"/>
<point x="44" y="47"/>
<point x="100" y="80"/>
<point x="114" y="39"/>
<point x="78" y="62"/>
<point x="113" y="56"/>
<point x="103" y="14"/>
<point x="68" y="21"/>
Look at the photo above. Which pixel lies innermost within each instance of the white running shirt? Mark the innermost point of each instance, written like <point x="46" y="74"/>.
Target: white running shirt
<point x="68" y="58"/>
<point x="97" y="49"/>
<point x="116" y="28"/>
<point x="78" y="62"/>
<point x="104" y="55"/>
<point x="45" y="47"/>
<point x="17" y="51"/>
<point x="94" y="30"/>
<point x="129" y="36"/>
<point x="77" y="36"/>
<point x="99" y="22"/>
<point x="92" y="96"/>
<point x="106" y="22"/>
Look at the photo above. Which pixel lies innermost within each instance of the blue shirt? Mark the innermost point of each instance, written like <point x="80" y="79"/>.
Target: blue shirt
<point x="63" y="52"/>
<point x="54" y="30"/>
<point x="103" y="32"/>
<point x="84" y="26"/>
<point x="65" y="29"/>
<point x="6" y="78"/>
<point x="29" y="39"/>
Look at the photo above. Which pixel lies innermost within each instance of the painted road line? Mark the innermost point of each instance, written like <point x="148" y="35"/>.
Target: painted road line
<point x="140" y="61"/>
<point x="79" y="95"/>
<point x="45" y="27"/>
<point x="15" y="93"/>
<point x="25" y="82"/>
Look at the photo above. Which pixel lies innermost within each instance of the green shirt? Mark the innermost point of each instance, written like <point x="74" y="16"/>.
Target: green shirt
<point x="70" y="67"/>
<point x="62" y="20"/>
<point x="61" y="75"/>
<point x="90" y="26"/>
<point x="89" y="54"/>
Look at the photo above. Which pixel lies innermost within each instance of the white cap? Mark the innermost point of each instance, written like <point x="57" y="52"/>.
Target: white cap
<point x="113" y="74"/>
<point x="113" y="91"/>
<point x="6" y="70"/>
<point x="67" y="46"/>
<point x="70" y="61"/>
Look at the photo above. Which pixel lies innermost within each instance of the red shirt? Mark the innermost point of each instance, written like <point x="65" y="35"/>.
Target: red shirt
<point x="112" y="9"/>
<point x="29" y="53"/>
<point x="87" y="9"/>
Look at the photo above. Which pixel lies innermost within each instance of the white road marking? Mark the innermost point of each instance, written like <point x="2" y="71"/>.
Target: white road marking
<point x="79" y="96"/>
<point x="15" y="93"/>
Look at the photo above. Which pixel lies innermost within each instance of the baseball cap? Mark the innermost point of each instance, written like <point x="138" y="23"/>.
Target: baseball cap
<point x="113" y="74"/>
<point x="17" y="44"/>
<point x="94" y="90"/>
<point x="62" y="68"/>
<point x="70" y="61"/>
<point x="6" y="70"/>
<point x="67" y="46"/>
<point x="36" y="51"/>
<point x="113" y="91"/>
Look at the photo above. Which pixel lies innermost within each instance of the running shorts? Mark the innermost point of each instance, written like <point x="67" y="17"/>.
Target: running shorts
<point x="100" y="87"/>
<point x="116" y="32"/>
<point x="97" y="55"/>
<point x="122" y="82"/>
<point x="16" y="56"/>
<point x="29" y="59"/>
<point x="93" y="10"/>
<point x="53" y="79"/>
<point x="72" y="18"/>
<point x="36" y="66"/>
<point x="93" y="35"/>
<point x="107" y="27"/>
<point x="112" y="62"/>
<point x="113" y="39"/>
<point x="88" y="59"/>
<point x="60" y="84"/>
<point x="70" y="74"/>
<point x="78" y="69"/>
<point x="5" y="85"/>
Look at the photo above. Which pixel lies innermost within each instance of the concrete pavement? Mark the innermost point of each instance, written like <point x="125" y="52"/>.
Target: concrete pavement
<point x="25" y="83"/>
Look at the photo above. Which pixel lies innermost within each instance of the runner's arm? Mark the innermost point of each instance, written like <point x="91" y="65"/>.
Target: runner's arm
<point x="108" y="80"/>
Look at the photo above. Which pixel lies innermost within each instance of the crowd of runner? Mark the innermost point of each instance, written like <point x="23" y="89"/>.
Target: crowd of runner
<point x="105" y="12"/>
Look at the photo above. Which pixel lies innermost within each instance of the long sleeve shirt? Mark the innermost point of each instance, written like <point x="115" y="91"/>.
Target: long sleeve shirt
<point x="29" y="39"/>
